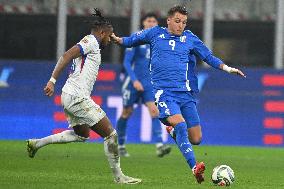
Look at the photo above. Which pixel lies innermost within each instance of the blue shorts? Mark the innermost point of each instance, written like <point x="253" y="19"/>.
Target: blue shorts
<point x="130" y="95"/>
<point x="177" y="102"/>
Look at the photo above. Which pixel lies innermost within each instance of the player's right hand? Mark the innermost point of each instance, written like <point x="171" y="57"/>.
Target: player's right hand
<point x="138" y="86"/>
<point x="116" y="39"/>
<point x="49" y="89"/>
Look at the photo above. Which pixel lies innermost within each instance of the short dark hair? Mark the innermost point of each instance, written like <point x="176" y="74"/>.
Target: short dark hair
<point x="178" y="8"/>
<point x="98" y="22"/>
<point x="149" y="15"/>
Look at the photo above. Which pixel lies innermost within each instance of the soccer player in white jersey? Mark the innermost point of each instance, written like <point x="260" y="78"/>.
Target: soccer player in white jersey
<point x="81" y="111"/>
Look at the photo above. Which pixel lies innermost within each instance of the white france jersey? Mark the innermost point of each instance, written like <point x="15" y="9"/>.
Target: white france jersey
<point x="84" y="69"/>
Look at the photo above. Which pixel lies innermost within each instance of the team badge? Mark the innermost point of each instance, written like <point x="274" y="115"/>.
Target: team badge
<point x="85" y="40"/>
<point x="182" y="38"/>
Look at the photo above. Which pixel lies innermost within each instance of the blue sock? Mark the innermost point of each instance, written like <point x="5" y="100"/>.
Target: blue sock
<point x="184" y="144"/>
<point x="156" y="130"/>
<point x="121" y="130"/>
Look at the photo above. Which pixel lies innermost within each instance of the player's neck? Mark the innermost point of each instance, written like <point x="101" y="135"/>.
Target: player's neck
<point x="171" y="32"/>
<point x="97" y="36"/>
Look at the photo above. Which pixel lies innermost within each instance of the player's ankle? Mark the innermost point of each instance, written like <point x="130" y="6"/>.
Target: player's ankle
<point x="121" y="146"/>
<point x="116" y="172"/>
<point x="159" y="144"/>
<point x="193" y="169"/>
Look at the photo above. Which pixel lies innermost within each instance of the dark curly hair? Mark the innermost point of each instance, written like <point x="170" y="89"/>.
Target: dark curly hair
<point x="149" y="15"/>
<point x="97" y="22"/>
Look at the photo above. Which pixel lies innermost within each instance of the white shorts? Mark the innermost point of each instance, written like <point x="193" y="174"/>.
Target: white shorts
<point x="80" y="111"/>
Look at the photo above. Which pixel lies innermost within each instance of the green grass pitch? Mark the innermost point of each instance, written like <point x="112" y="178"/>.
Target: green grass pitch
<point x="83" y="165"/>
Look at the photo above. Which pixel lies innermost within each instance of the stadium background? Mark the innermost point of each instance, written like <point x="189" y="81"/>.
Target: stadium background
<point x="242" y="119"/>
<point x="233" y="111"/>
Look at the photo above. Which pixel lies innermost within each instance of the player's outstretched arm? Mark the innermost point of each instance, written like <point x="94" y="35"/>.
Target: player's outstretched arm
<point x="115" y="39"/>
<point x="206" y="55"/>
<point x="231" y="70"/>
<point x="218" y="64"/>
<point x="138" y="38"/>
<point x="63" y="61"/>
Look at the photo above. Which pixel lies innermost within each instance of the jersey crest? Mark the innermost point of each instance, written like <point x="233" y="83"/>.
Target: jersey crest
<point x="182" y="38"/>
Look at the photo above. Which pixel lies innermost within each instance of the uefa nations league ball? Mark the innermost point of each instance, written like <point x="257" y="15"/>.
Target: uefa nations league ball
<point x="223" y="175"/>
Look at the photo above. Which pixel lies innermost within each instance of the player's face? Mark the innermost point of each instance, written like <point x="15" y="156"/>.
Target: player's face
<point x="177" y="23"/>
<point x="106" y="37"/>
<point x="150" y="22"/>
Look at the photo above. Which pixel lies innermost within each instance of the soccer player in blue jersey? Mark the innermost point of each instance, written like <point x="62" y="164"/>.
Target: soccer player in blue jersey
<point x="172" y="65"/>
<point x="137" y="86"/>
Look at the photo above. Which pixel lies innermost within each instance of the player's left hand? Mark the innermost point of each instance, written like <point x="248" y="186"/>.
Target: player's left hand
<point x="238" y="72"/>
<point x="49" y="89"/>
<point x="232" y="70"/>
<point x="138" y="85"/>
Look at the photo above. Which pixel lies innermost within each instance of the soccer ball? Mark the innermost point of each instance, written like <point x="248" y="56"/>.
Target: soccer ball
<point x="223" y="175"/>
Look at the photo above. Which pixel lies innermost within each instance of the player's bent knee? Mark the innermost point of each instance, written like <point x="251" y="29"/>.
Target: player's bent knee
<point x="126" y="112"/>
<point x="153" y="110"/>
<point x="175" y="119"/>
<point x="82" y="131"/>
<point x="154" y="113"/>
<point x="195" y="141"/>
<point x="82" y="139"/>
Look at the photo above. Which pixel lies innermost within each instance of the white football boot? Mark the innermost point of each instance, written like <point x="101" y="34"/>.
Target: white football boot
<point x="123" y="179"/>
<point x="31" y="147"/>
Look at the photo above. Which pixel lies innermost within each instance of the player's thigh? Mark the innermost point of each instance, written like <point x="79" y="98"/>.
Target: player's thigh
<point x="153" y="110"/>
<point x="130" y="96"/>
<point x="81" y="111"/>
<point x="149" y="100"/>
<point x="103" y="127"/>
<point x="169" y="113"/>
<point x="168" y="107"/>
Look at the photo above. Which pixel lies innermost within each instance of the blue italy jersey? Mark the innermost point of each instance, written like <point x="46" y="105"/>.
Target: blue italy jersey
<point x="173" y="59"/>
<point x="136" y="63"/>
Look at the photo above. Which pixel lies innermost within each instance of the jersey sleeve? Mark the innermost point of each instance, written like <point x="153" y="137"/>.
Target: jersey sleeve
<point x="86" y="45"/>
<point x="139" y="38"/>
<point x="204" y="53"/>
<point x="128" y="61"/>
<point x="199" y="48"/>
<point x="213" y="61"/>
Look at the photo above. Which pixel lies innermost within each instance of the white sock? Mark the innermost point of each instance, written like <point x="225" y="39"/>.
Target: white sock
<point x="193" y="168"/>
<point x="121" y="146"/>
<point x="111" y="151"/>
<point x="63" y="137"/>
<point x="159" y="144"/>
